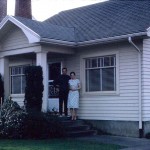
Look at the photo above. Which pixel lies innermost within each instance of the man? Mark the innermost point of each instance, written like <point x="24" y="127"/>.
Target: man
<point x="62" y="84"/>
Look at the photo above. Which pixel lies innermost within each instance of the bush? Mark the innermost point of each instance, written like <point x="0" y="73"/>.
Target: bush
<point x="42" y="125"/>
<point x="147" y="135"/>
<point x="16" y="123"/>
<point x="12" y="120"/>
<point x="34" y="88"/>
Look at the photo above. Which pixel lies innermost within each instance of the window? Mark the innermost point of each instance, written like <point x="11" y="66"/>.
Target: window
<point x="100" y="73"/>
<point x="17" y="76"/>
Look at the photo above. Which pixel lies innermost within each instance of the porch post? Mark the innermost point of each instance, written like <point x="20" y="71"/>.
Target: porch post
<point x="4" y="70"/>
<point x="41" y="60"/>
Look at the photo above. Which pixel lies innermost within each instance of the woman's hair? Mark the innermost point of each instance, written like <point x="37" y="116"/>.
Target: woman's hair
<point x="72" y="73"/>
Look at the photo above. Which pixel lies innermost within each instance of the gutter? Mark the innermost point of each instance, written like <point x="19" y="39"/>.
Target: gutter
<point x="91" y="42"/>
<point x="130" y="41"/>
<point x="110" y="39"/>
<point x="57" y="42"/>
<point x="140" y="84"/>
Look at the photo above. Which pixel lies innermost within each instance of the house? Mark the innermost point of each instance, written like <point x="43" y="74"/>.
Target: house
<point x="108" y="46"/>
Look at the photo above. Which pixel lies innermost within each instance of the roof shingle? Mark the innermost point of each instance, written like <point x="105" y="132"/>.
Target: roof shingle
<point x="102" y="20"/>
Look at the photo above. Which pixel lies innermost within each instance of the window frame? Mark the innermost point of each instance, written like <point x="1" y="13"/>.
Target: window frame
<point x="83" y="73"/>
<point x="20" y="75"/>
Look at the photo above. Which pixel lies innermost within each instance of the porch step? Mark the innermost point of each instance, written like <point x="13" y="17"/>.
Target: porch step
<point x="76" y="128"/>
<point x="72" y="122"/>
<point x="81" y="133"/>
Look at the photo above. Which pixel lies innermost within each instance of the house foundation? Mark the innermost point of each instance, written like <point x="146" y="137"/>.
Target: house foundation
<point x="119" y="128"/>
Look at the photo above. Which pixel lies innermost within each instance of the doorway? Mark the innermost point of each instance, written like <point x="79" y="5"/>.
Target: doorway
<point x="54" y="70"/>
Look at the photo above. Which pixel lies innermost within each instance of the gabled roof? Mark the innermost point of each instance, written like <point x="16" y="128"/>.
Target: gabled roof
<point x="48" y="30"/>
<point x="110" y="20"/>
<point x="107" y="19"/>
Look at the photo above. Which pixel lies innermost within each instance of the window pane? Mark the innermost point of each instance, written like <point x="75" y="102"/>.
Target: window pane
<point x="100" y="62"/>
<point x="23" y="69"/>
<point x="17" y="70"/>
<point x="23" y="84"/>
<point x="88" y="63"/>
<point x="16" y="85"/>
<point x="108" y="79"/>
<point x="12" y="71"/>
<point x="94" y="63"/>
<point x="113" y="61"/>
<point x="93" y="80"/>
<point x="106" y="61"/>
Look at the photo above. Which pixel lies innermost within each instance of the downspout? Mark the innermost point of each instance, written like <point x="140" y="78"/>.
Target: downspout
<point x="140" y="84"/>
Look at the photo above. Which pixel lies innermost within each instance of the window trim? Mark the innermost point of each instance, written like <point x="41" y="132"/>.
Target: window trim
<point x="82" y="73"/>
<point x="10" y="76"/>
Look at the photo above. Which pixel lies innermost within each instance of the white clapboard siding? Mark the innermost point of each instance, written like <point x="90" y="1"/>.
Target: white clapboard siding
<point x="16" y="39"/>
<point x="73" y="64"/>
<point x="102" y="117"/>
<point x="146" y="80"/>
<point x="122" y="106"/>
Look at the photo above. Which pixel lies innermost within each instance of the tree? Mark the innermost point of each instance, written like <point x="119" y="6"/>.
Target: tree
<point x="34" y="88"/>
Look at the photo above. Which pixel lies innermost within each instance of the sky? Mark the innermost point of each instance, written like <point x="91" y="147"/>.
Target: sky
<point x="43" y="9"/>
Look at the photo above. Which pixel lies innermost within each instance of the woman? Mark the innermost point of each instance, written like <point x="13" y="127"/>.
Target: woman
<point x="73" y="97"/>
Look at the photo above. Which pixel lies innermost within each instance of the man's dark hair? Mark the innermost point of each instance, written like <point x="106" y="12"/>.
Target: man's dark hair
<point x="64" y="68"/>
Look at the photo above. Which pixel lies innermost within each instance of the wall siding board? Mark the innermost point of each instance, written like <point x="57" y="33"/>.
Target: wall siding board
<point x="15" y="40"/>
<point x="122" y="106"/>
<point x="146" y="80"/>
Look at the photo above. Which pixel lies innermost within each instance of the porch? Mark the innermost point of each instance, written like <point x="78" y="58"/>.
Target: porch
<point x="50" y="58"/>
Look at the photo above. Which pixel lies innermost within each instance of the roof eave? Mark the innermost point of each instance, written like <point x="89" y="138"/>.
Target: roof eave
<point x="110" y="39"/>
<point x="92" y="42"/>
<point x="57" y="42"/>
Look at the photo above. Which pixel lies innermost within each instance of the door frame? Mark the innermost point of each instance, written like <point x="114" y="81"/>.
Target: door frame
<point x="53" y="101"/>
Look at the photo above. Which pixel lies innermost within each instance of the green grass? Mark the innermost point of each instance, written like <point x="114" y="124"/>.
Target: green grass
<point x="54" y="144"/>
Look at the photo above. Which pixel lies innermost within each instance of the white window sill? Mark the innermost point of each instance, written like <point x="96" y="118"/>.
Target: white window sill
<point x="104" y="93"/>
<point x="17" y="95"/>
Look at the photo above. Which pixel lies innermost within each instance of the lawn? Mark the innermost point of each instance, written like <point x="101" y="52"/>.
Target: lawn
<point x="54" y="144"/>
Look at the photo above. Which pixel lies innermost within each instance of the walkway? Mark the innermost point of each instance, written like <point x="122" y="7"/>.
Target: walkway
<point x="130" y="143"/>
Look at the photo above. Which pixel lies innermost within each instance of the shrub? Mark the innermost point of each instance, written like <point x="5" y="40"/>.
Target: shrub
<point x="16" y="123"/>
<point x="34" y="88"/>
<point x="12" y="120"/>
<point x="42" y="125"/>
<point x="147" y="135"/>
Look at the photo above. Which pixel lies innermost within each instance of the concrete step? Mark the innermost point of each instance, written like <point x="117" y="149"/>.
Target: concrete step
<point x="77" y="128"/>
<point x="64" y="118"/>
<point x="72" y="122"/>
<point x="81" y="133"/>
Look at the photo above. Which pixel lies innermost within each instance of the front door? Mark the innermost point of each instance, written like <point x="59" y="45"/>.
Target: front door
<point x="54" y="72"/>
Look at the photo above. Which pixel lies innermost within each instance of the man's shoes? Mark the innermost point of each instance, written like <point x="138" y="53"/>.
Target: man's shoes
<point x="60" y="116"/>
<point x="68" y="116"/>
